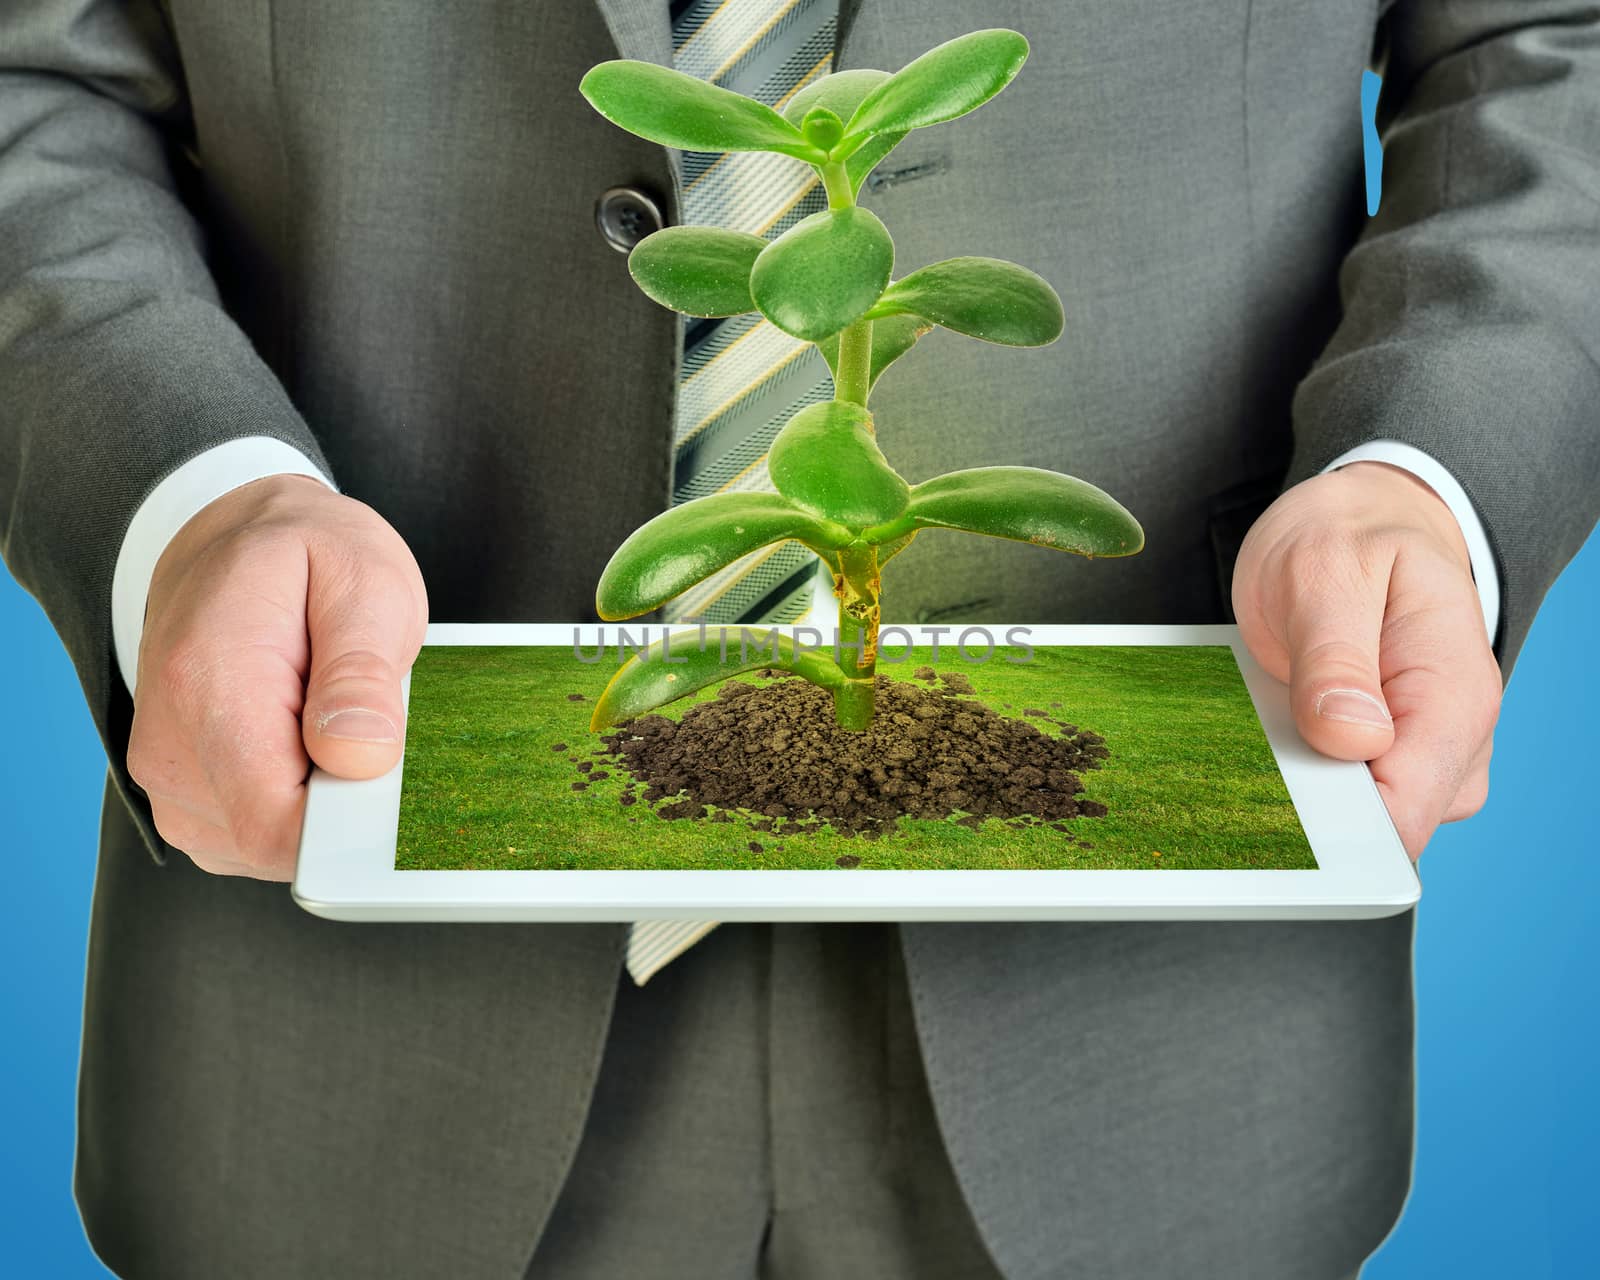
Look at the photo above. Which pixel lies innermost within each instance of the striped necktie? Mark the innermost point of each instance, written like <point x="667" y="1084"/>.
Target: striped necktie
<point x="742" y="377"/>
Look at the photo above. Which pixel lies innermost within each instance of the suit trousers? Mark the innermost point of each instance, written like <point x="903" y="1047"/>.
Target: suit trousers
<point x="762" y="1111"/>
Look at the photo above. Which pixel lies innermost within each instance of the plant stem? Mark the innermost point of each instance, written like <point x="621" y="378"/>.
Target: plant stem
<point x="854" y="378"/>
<point x="852" y="705"/>
<point x="857" y="589"/>
<point x="854" y="375"/>
<point x="836" y="182"/>
<point x="857" y="584"/>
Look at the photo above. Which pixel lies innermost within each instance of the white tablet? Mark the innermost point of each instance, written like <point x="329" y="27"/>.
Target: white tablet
<point x="1009" y="773"/>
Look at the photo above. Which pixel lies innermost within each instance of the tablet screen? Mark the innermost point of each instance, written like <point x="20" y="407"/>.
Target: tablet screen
<point x="998" y="757"/>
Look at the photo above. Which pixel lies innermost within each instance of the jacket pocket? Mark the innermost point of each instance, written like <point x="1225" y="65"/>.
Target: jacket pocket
<point x="1230" y="515"/>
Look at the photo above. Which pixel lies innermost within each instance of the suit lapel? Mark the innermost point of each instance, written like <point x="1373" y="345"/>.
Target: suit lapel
<point x="640" y="28"/>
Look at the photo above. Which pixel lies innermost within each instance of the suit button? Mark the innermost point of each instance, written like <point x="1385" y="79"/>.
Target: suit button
<point x="625" y="216"/>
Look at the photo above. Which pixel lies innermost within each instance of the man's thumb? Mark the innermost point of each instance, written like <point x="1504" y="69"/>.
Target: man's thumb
<point x="354" y="719"/>
<point x="1334" y="682"/>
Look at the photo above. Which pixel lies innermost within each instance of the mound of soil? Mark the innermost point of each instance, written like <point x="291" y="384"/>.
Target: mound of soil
<point x="775" y="751"/>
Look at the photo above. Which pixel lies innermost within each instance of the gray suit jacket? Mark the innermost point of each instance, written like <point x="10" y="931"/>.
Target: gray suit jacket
<point x="366" y="228"/>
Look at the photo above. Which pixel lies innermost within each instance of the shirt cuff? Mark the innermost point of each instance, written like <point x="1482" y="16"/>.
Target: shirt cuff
<point x="1433" y="474"/>
<point x="168" y="507"/>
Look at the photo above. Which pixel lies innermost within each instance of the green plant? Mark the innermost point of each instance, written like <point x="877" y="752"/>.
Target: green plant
<point x="827" y="280"/>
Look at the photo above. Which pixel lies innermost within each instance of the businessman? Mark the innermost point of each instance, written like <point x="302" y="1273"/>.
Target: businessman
<point x="314" y="326"/>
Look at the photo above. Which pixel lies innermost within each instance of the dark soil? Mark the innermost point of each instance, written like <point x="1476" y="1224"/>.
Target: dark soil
<point x="774" y="751"/>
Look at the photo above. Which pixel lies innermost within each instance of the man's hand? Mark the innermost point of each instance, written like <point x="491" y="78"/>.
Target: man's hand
<point x="1355" y="588"/>
<point x="280" y="622"/>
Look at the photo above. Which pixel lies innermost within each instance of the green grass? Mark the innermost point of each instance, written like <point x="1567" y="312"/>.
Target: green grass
<point x="1190" y="774"/>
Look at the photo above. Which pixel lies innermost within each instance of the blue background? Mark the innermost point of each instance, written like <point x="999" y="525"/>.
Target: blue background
<point x="1507" y="1126"/>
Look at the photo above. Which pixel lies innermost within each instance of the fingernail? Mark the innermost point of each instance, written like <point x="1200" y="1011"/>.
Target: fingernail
<point x="357" y="724"/>
<point x="1353" y="707"/>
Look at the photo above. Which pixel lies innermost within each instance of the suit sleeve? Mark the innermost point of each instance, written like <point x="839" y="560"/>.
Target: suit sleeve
<point x="117" y="362"/>
<point x="1471" y="302"/>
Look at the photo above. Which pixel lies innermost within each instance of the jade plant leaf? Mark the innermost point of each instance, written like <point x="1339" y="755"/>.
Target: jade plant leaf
<point x="822" y="129"/>
<point x="892" y="337"/>
<point x="841" y="93"/>
<point x="689" y="543"/>
<point x="680" y="110"/>
<point x="888" y="550"/>
<point x="826" y="460"/>
<point x="700" y="271"/>
<point x="948" y="81"/>
<point x="1027" y="504"/>
<point x="823" y="273"/>
<point x="865" y="159"/>
<point x="677" y="665"/>
<point x="983" y="298"/>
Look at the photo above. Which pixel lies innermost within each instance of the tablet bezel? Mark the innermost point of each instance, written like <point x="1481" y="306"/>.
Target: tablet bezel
<point x="346" y="869"/>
